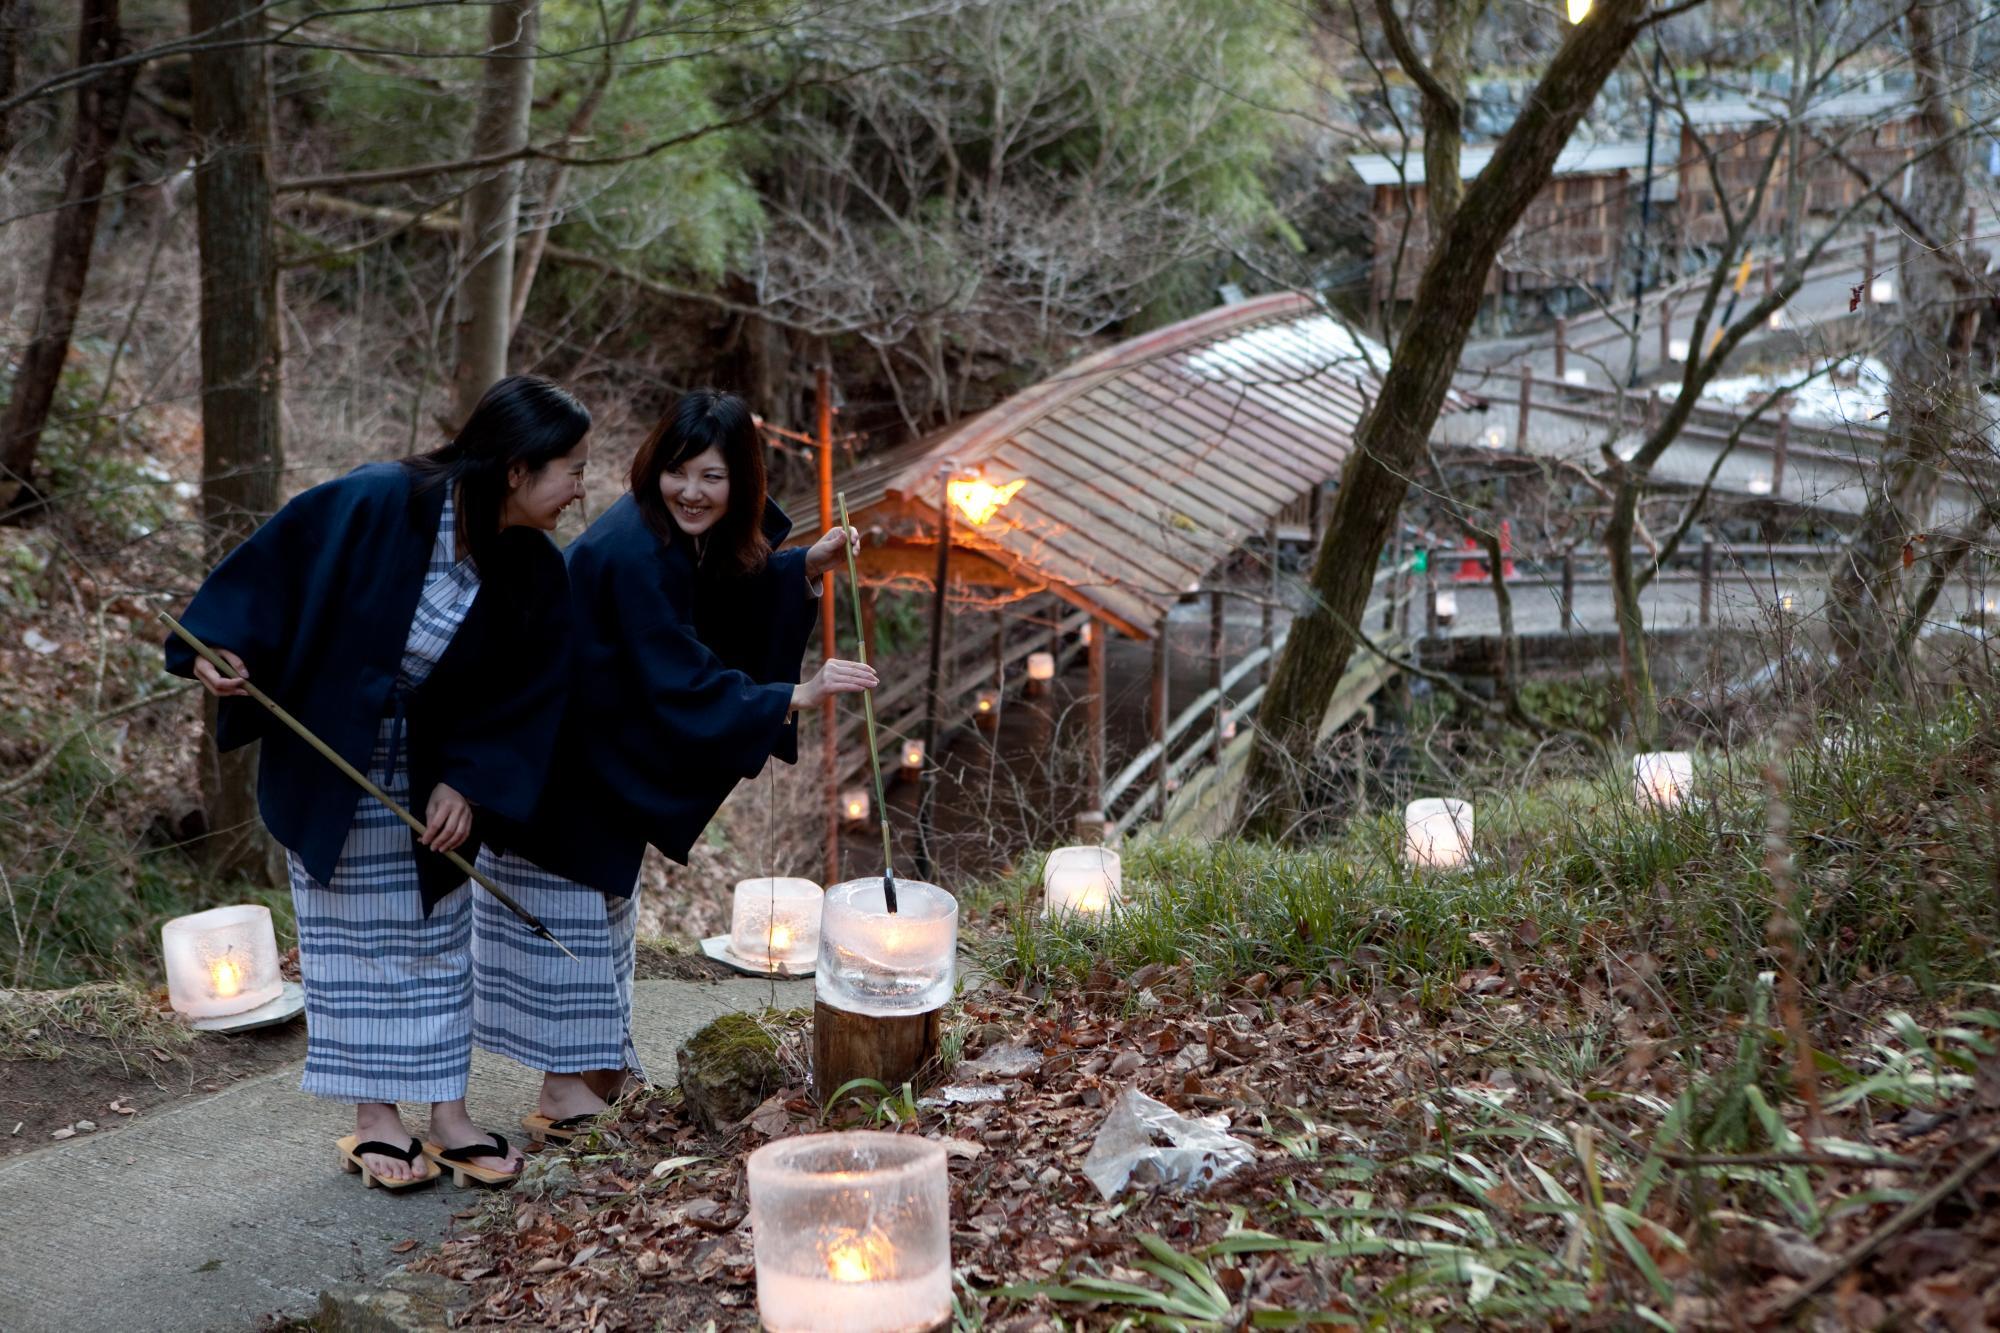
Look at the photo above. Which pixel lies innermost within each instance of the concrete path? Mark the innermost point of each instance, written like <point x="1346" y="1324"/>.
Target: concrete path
<point x="221" y="1211"/>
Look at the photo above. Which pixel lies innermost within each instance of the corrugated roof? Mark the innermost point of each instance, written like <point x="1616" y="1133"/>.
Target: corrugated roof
<point x="1844" y="106"/>
<point x="1147" y="464"/>
<point x="1586" y="159"/>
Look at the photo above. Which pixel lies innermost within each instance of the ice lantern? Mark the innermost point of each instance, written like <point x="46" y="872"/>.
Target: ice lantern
<point x="854" y="805"/>
<point x="1447" y="607"/>
<point x="913" y="755"/>
<point x="1041" y="666"/>
<point x="1437" y="832"/>
<point x="886" y="964"/>
<point x="222" y="961"/>
<point x="1662" y="778"/>
<point x="851" y="1232"/>
<point x="774" y="922"/>
<point x="1082" y="880"/>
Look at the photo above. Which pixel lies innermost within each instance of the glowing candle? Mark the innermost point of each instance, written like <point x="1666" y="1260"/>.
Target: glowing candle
<point x="986" y="703"/>
<point x="1576" y="375"/>
<point x="774" y="922"/>
<point x="1882" y="291"/>
<point x="1083" y="635"/>
<point x="1785" y="602"/>
<point x="1662" y="778"/>
<point x="1229" y="724"/>
<point x="1041" y="666"/>
<point x="852" y="1232"/>
<point x="222" y="961"/>
<point x="1760" y="486"/>
<point x="1447" y="606"/>
<point x="1437" y="832"/>
<point x="1493" y="438"/>
<point x="1083" y="880"/>
<point x="913" y="754"/>
<point x="854" y="804"/>
<point x="1677" y="349"/>
<point x="1579" y="10"/>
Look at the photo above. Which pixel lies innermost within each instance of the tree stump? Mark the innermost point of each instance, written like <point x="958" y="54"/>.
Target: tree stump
<point x="892" y="1051"/>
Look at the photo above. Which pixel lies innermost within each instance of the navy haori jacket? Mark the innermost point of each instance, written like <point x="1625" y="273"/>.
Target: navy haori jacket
<point x="682" y="687"/>
<point x="318" y="603"/>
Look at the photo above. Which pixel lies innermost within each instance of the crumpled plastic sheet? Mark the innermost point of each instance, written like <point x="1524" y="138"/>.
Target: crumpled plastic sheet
<point x="1146" y="1142"/>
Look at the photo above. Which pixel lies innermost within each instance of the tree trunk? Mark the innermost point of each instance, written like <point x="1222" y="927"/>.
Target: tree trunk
<point x="536" y="241"/>
<point x="493" y="204"/>
<point x="100" y="115"/>
<point x="242" y="454"/>
<point x="1930" y="353"/>
<point x="1392" y="439"/>
<point x="14" y="18"/>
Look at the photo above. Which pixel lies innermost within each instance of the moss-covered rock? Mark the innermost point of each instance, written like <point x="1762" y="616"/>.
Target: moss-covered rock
<point x="728" y="1068"/>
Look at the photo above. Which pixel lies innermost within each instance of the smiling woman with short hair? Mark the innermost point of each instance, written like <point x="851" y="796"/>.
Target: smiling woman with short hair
<point x="689" y="634"/>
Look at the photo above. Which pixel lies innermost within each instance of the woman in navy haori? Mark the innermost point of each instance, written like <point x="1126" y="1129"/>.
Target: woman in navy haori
<point x="687" y="640"/>
<point x="415" y="616"/>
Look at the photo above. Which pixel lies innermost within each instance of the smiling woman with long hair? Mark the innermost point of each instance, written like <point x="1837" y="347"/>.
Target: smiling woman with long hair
<point x="689" y="632"/>
<point x="414" y="616"/>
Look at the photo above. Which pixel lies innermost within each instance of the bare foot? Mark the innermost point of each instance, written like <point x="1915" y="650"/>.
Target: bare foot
<point x="610" y="1084"/>
<point x="379" y="1121"/>
<point x="565" y="1095"/>
<point x="451" y="1127"/>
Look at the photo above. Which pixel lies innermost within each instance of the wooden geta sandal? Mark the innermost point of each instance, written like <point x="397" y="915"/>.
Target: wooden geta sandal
<point x="352" y="1150"/>
<point x="458" y="1161"/>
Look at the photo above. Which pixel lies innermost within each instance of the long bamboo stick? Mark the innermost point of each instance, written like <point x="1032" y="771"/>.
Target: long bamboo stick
<point x="333" y="757"/>
<point x="868" y="714"/>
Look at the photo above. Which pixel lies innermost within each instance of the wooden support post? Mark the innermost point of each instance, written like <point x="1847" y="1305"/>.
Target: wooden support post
<point x="1569" y="589"/>
<point x="1652" y="411"/>
<point x="1770" y="267"/>
<point x="1666" y="331"/>
<point x="1159" y="717"/>
<point x="1100" y="631"/>
<point x="868" y="622"/>
<point x="1215" y="641"/>
<point x="1430" y="605"/>
<point x="1527" y="405"/>
<point x="1780" y="447"/>
<point x="892" y="1051"/>
<point x="1312" y="516"/>
<point x="1562" y="347"/>
<point x="1868" y="271"/>
<point x="1707" y="580"/>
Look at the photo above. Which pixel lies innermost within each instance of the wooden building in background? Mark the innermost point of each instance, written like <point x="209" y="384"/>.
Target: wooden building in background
<point x="1876" y="132"/>
<point x="1573" y="234"/>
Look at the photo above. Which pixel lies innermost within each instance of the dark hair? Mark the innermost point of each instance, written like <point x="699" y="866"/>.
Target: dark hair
<point x="706" y="419"/>
<point x="521" y="419"/>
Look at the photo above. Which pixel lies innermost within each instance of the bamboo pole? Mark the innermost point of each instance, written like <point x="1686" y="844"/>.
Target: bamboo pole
<point x="333" y="757"/>
<point x="868" y="714"/>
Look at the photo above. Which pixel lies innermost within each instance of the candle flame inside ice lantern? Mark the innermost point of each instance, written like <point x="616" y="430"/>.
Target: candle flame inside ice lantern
<point x="913" y="754"/>
<point x="1437" y="832"/>
<point x="220" y="962"/>
<point x="1083" y="880"/>
<point x="1447" y="606"/>
<point x="1662" y="778"/>
<point x="1041" y="666"/>
<point x="883" y="964"/>
<point x="986" y="701"/>
<point x="854" y="804"/>
<point x="774" y="921"/>
<point x="851" y="1231"/>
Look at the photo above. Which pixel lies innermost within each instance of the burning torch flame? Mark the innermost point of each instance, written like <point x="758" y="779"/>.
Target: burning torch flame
<point x="979" y="499"/>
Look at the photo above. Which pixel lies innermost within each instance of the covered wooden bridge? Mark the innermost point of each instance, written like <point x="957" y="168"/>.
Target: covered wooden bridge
<point x="1087" y="508"/>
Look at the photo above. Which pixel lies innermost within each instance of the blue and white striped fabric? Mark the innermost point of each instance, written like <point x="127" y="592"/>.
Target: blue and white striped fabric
<point x="389" y="990"/>
<point x="529" y="1003"/>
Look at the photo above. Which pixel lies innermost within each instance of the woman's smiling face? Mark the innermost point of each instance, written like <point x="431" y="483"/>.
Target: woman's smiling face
<point x="697" y="491"/>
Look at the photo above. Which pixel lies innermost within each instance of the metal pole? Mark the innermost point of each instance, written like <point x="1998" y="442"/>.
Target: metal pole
<point x="927" y="780"/>
<point x="1215" y="632"/>
<point x="1160" y="713"/>
<point x="1100" y="630"/>
<point x="1569" y="589"/>
<point x="828" y="718"/>
<point x="1707" y="579"/>
<point x="1645" y="215"/>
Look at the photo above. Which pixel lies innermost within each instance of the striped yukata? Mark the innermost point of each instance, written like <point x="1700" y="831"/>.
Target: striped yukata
<point x="529" y="1003"/>
<point x="389" y="990"/>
